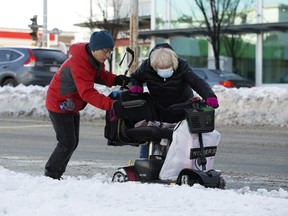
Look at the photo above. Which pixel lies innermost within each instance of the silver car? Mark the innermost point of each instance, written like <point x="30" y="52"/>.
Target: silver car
<point x="29" y="65"/>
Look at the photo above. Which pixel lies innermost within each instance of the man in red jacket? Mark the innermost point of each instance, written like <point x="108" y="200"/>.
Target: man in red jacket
<point x="71" y="88"/>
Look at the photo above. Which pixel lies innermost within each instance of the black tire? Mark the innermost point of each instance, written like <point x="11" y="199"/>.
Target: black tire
<point x="186" y="177"/>
<point x="222" y="183"/>
<point x="120" y="176"/>
<point x="184" y="180"/>
<point x="10" y="82"/>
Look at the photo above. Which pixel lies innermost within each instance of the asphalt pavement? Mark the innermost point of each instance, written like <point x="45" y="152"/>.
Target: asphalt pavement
<point x="247" y="156"/>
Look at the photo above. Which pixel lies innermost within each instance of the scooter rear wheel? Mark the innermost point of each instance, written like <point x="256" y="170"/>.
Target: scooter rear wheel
<point x="120" y="176"/>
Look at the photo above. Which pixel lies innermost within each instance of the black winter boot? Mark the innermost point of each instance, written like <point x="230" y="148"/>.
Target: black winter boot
<point x="53" y="175"/>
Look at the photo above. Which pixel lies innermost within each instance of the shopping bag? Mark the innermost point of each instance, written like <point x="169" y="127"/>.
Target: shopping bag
<point x="185" y="146"/>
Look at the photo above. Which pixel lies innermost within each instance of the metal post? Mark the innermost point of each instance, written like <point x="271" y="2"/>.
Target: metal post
<point x="134" y="33"/>
<point x="153" y="21"/>
<point x="91" y="10"/>
<point x="259" y="48"/>
<point x="45" y="31"/>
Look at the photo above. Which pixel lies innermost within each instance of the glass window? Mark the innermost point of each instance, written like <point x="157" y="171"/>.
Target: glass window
<point x="159" y="40"/>
<point x="194" y="50"/>
<point x="275" y="57"/>
<point x="49" y="57"/>
<point x="5" y="55"/>
<point x="160" y="16"/>
<point x="238" y="50"/>
<point x="182" y="14"/>
<point x="241" y="50"/>
<point x="275" y="11"/>
<point x="144" y="8"/>
<point x="9" y="55"/>
<point x="15" y="55"/>
<point x="175" y="15"/>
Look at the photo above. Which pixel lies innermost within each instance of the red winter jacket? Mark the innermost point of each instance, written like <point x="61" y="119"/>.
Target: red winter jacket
<point x="75" y="79"/>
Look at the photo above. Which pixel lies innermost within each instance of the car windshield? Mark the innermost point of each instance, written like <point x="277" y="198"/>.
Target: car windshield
<point x="49" y="56"/>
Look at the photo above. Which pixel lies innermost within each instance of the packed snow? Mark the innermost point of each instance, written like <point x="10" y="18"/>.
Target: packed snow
<point x="25" y="195"/>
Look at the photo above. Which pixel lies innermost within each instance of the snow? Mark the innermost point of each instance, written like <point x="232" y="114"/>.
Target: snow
<point x="24" y="194"/>
<point x="246" y="106"/>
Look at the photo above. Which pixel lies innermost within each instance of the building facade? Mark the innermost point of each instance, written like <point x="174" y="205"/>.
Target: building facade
<point x="259" y="32"/>
<point x="262" y="53"/>
<point x="21" y="37"/>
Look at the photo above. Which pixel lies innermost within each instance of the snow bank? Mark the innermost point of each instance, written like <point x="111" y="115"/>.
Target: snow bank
<point x="245" y="106"/>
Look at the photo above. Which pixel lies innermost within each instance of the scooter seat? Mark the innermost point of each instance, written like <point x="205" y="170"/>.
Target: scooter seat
<point x="149" y="133"/>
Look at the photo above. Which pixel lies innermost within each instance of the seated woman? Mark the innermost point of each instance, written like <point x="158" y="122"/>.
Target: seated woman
<point x="170" y="80"/>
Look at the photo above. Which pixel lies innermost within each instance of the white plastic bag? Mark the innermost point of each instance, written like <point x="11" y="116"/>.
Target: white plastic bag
<point x="178" y="156"/>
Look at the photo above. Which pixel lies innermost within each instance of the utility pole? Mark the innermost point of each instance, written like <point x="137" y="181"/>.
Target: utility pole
<point x="134" y="33"/>
<point x="45" y="30"/>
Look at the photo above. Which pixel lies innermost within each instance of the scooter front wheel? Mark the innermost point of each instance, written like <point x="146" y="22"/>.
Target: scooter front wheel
<point x="222" y="183"/>
<point x="187" y="177"/>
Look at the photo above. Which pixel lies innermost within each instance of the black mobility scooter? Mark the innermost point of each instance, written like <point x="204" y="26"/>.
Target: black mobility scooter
<point x="200" y="119"/>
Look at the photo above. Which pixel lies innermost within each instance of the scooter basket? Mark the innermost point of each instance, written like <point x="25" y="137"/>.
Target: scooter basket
<point x="200" y="121"/>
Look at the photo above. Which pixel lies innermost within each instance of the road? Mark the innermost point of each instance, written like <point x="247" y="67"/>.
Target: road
<point x="248" y="156"/>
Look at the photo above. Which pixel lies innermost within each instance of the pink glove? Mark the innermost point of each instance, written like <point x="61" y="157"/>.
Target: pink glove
<point x="212" y="101"/>
<point x="136" y="89"/>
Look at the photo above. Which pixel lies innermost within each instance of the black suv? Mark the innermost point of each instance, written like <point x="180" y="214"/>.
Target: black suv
<point x="29" y="65"/>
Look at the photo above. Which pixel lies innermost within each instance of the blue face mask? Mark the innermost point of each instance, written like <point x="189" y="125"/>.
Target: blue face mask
<point x="165" y="73"/>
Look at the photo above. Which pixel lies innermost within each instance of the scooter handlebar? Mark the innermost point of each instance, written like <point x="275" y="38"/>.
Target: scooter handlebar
<point x="197" y="104"/>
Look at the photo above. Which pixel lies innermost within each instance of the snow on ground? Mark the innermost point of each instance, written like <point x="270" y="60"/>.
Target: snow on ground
<point x="246" y="106"/>
<point x="26" y="195"/>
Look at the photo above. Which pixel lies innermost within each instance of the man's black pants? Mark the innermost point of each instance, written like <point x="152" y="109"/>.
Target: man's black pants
<point x="66" y="127"/>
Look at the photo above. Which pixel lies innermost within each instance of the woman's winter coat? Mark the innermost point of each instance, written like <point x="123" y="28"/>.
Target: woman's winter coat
<point x="175" y="89"/>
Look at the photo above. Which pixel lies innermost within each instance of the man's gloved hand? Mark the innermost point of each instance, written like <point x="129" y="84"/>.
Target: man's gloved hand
<point x="136" y="89"/>
<point x="122" y="80"/>
<point x="117" y="111"/>
<point x="212" y="101"/>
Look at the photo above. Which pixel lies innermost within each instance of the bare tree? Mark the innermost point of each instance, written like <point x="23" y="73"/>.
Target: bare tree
<point x="233" y="43"/>
<point x="217" y="14"/>
<point x="111" y="16"/>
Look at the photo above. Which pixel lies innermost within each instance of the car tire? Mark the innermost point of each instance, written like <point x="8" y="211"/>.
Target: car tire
<point x="10" y="82"/>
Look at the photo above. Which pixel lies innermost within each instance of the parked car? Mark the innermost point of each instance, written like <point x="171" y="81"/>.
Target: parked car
<point x="29" y="65"/>
<point x="224" y="78"/>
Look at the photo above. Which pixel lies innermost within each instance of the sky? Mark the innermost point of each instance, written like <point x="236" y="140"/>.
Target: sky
<point x="22" y="194"/>
<point x="61" y="14"/>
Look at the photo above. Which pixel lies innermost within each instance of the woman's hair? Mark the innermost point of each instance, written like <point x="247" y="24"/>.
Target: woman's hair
<point x="163" y="58"/>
